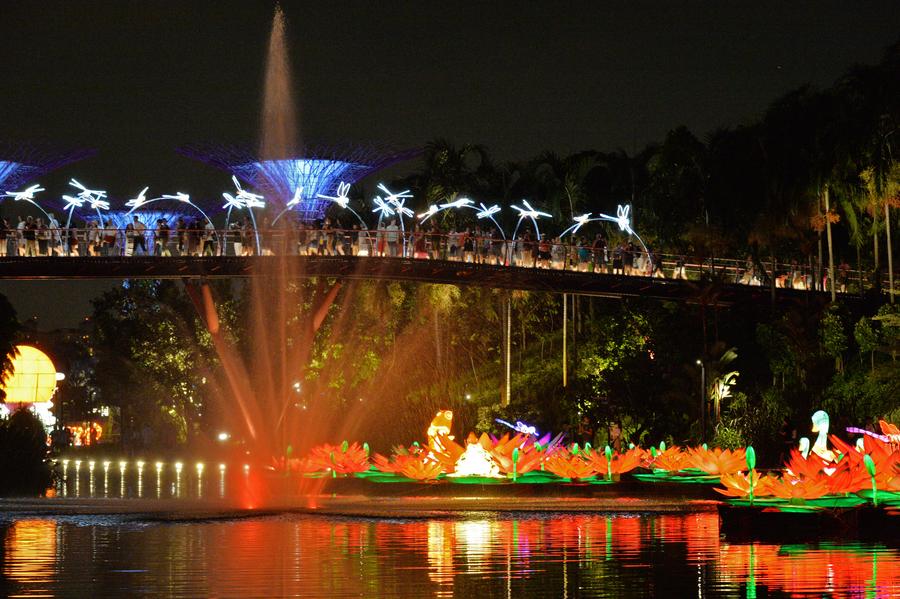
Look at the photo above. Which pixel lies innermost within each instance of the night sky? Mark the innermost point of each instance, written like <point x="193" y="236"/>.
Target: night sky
<point x="134" y="79"/>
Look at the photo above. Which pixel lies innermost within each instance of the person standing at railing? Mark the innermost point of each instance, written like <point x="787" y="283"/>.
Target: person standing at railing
<point x="629" y="258"/>
<point x="558" y="254"/>
<point x="322" y="246"/>
<point x="301" y="238"/>
<point x="140" y="241"/>
<point x="436" y="246"/>
<point x="233" y="234"/>
<point x="341" y="242"/>
<point x="598" y="251"/>
<point x="585" y="252"/>
<point x="497" y="247"/>
<point x="679" y="272"/>
<point x="392" y="238"/>
<point x="365" y="242"/>
<point x="656" y="267"/>
<point x="162" y="238"/>
<point x="93" y="238"/>
<point x="4" y="237"/>
<point x="468" y="246"/>
<point x="29" y="234"/>
<point x="180" y="235"/>
<point x="248" y="238"/>
<point x="55" y="242"/>
<point x="20" y="238"/>
<point x="44" y="238"/>
<point x="419" y="244"/>
<point x="129" y="239"/>
<point x="210" y="240"/>
<point x="453" y="244"/>
<point x="377" y="242"/>
<point x="477" y="246"/>
<point x="618" y="258"/>
<point x="543" y="252"/>
<point x="354" y="239"/>
<point x="72" y="242"/>
<point x="843" y="276"/>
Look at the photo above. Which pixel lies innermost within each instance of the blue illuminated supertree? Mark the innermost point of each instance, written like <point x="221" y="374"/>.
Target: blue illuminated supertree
<point x="317" y="172"/>
<point x="23" y="163"/>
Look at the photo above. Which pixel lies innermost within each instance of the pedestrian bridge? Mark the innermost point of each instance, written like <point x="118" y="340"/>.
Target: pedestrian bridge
<point x="395" y="269"/>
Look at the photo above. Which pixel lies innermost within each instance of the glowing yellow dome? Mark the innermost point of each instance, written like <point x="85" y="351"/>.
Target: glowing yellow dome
<point x="33" y="379"/>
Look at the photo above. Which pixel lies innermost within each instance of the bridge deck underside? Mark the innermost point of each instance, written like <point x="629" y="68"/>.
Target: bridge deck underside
<point x="396" y="269"/>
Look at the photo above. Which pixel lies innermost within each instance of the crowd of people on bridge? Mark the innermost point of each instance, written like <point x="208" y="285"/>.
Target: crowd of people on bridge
<point x="44" y="236"/>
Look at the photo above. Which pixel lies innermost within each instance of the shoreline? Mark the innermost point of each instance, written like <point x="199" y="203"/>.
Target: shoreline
<point x="349" y="506"/>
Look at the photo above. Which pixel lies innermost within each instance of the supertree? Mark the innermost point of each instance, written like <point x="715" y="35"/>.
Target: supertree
<point x="297" y="182"/>
<point x="23" y="163"/>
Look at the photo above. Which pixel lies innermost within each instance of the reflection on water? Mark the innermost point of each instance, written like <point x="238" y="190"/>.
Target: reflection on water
<point x="676" y="555"/>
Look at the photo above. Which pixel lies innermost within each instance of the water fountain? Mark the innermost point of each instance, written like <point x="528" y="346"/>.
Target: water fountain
<point x="280" y="135"/>
<point x="259" y="391"/>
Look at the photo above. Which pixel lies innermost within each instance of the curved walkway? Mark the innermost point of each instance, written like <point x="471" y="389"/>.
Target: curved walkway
<point x="395" y="269"/>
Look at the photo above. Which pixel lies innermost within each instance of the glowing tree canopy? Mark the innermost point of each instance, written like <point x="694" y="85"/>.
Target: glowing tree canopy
<point x="317" y="173"/>
<point x="119" y="219"/>
<point x="21" y="164"/>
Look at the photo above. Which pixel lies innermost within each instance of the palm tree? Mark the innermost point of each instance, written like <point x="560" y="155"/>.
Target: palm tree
<point x="448" y="170"/>
<point x="9" y="331"/>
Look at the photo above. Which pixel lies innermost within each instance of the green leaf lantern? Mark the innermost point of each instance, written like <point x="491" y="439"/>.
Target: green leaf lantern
<point x="751" y="457"/>
<point x="662" y="446"/>
<point x="344" y="446"/>
<point x="515" y="459"/>
<point x="870" y="468"/>
<point x="608" y="451"/>
<point x="751" y="464"/>
<point x="366" y="449"/>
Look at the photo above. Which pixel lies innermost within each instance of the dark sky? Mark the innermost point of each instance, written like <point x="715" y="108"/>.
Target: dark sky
<point x="137" y="78"/>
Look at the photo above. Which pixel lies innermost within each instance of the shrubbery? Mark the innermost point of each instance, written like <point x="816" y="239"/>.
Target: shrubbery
<point x="24" y="465"/>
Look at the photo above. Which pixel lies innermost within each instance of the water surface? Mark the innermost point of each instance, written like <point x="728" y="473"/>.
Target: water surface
<point x="548" y="555"/>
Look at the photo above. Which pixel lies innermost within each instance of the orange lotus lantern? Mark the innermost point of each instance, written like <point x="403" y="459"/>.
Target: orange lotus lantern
<point x="808" y="488"/>
<point x="527" y="459"/>
<point x="717" y="461"/>
<point x="671" y="459"/>
<point x="619" y="463"/>
<point x="738" y="485"/>
<point x="341" y="459"/>
<point x="569" y="465"/>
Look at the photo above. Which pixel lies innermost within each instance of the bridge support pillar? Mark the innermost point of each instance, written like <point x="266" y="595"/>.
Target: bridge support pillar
<point x="507" y="348"/>
<point x="564" y="340"/>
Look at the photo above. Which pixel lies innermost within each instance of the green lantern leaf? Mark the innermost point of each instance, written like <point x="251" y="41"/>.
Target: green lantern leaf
<point x="751" y="457"/>
<point x="870" y="465"/>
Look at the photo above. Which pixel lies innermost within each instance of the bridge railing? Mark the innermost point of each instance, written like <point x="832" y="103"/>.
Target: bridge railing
<point x="481" y="248"/>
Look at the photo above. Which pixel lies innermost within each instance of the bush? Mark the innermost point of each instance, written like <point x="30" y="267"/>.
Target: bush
<point x="24" y="465"/>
